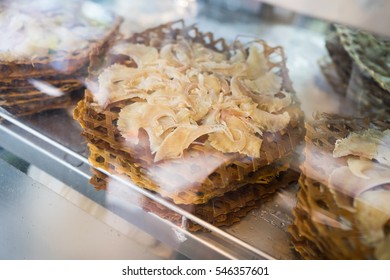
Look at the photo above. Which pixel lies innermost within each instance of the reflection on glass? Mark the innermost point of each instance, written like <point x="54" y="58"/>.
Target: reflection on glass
<point x="212" y="125"/>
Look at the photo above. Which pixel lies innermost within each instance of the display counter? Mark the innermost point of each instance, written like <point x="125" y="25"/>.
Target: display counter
<point x="84" y="192"/>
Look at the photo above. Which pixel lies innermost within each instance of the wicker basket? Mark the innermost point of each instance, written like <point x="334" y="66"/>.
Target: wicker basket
<point x="349" y="78"/>
<point x="194" y="192"/>
<point x="203" y="172"/>
<point x="323" y="229"/>
<point x="219" y="211"/>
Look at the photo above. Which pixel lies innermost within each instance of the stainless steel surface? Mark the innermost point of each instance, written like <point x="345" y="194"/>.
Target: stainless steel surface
<point x="52" y="142"/>
<point x="38" y="223"/>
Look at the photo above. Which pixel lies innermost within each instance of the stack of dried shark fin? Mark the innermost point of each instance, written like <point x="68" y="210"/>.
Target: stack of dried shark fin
<point x="188" y="120"/>
<point x="343" y="209"/>
<point x="44" y="54"/>
<point x="359" y="68"/>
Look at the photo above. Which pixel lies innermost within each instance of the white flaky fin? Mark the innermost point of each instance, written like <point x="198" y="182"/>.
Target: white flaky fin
<point x="141" y="54"/>
<point x="180" y="139"/>
<point x="370" y="144"/>
<point x="185" y="91"/>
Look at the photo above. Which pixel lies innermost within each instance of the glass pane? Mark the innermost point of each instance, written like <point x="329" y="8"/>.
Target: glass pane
<point x="244" y="130"/>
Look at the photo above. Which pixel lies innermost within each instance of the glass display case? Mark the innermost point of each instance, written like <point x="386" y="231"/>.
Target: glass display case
<point x="194" y="129"/>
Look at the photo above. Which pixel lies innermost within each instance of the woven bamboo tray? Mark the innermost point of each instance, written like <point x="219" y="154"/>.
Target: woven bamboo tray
<point x="219" y="211"/>
<point x="198" y="184"/>
<point x="323" y="229"/>
<point x="352" y="79"/>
